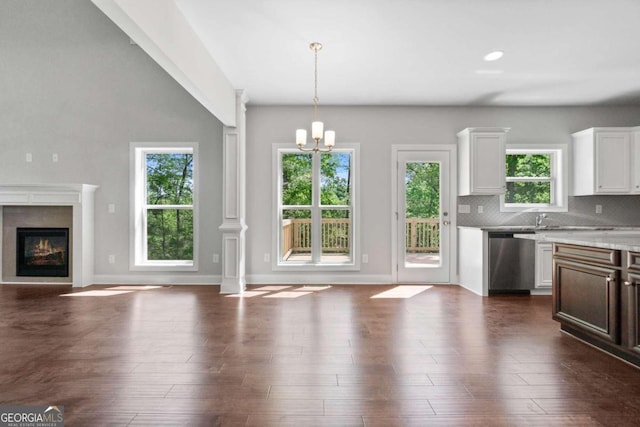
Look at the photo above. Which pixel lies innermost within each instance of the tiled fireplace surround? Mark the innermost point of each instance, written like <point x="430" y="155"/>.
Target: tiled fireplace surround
<point x="59" y="205"/>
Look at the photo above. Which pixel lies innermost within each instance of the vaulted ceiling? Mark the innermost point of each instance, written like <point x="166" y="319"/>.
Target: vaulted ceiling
<point x="426" y="52"/>
<point x="422" y="52"/>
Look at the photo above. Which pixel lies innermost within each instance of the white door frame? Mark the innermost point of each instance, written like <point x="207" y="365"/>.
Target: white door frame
<point x="452" y="208"/>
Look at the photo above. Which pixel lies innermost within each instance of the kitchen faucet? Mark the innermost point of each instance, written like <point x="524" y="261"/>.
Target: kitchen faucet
<point x="539" y="218"/>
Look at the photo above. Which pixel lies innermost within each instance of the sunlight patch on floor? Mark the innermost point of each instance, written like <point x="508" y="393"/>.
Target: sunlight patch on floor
<point x="312" y="288"/>
<point x="247" y="294"/>
<point x="134" y="288"/>
<point x="407" y="291"/>
<point x="287" y="295"/>
<point x="95" y="293"/>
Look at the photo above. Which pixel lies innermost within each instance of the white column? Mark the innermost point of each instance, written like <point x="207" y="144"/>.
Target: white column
<point x="234" y="193"/>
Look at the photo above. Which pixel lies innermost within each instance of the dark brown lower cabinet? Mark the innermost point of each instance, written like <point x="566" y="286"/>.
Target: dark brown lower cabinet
<point x="630" y="304"/>
<point x="586" y="297"/>
<point x="596" y="297"/>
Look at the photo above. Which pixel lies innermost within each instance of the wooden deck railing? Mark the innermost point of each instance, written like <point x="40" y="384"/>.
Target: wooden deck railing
<point x="422" y="235"/>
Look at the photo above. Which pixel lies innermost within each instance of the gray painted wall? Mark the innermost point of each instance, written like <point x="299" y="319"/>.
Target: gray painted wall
<point x="72" y="84"/>
<point x="377" y="128"/>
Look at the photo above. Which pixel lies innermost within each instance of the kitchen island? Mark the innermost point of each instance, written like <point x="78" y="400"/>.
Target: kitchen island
<point x="595" y="288"/>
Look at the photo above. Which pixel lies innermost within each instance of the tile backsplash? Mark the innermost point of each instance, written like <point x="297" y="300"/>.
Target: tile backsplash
<point x="616" y="210"/>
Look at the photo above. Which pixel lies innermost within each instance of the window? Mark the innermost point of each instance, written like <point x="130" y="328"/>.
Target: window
<point x="536" y="179"/>
<point x="315" y="194"/>
<point x="164" y="216"/>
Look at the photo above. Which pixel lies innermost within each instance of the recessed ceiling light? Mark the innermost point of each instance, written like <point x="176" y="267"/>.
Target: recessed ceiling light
<point x="494" y="56"/>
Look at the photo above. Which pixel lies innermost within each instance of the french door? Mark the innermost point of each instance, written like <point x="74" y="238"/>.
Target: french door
<point x="423" y="216"/>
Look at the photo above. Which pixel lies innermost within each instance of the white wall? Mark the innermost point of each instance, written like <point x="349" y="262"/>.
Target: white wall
<point x="376" y="129"/>
<point x="72" y="84"/>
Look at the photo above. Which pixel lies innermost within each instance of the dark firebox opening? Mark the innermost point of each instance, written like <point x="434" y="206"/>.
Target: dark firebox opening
<point x="42" y="252"/>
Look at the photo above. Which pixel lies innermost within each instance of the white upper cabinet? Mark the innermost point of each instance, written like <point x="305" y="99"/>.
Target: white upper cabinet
<point x="603" y="162"/>
<point x="481" y="158"/>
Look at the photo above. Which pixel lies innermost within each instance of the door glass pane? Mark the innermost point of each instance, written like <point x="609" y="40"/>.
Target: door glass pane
<point x="169" y="234"/>
<point x="335" y="179"/>
<point x="336" y="235"/>
<point x="296" y="235"/>
<point x="422" y="214"/>
<point x="296" y="179"/>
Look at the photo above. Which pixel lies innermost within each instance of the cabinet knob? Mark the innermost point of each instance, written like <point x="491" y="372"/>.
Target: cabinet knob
<point x="610" y="279"/>
<point x="627" y="283"/>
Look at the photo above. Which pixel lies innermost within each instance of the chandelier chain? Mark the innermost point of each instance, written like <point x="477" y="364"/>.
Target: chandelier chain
<point x="315" y="97"/>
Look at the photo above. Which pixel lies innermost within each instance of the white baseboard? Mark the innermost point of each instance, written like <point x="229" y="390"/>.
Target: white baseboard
<point x="156" y="279"/>
<point x="541" y="291"/>
<point x="318" y="279"/>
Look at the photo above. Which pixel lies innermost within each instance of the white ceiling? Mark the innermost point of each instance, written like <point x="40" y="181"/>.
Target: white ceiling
<point x="425" y="52"/>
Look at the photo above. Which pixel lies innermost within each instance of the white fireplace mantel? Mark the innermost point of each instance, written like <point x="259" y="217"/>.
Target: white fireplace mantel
<point x="81" y="198"/>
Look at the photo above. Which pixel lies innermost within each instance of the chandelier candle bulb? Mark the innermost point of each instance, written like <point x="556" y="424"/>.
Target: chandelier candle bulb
<point x="316" y="130"/>
<point x="330" y="138"/>
<point x="301" y="137"/>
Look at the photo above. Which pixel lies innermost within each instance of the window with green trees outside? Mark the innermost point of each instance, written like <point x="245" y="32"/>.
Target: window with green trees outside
<point x="316" y="207"/>
<point x="529" y="179"/>
<point x="164" y="220"/>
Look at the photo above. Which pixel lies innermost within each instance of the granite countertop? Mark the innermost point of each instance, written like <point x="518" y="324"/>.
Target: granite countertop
<point x="546" y="228"/>
<point x="621" y="239"/>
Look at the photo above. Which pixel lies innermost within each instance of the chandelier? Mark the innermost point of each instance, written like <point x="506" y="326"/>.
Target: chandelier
<point x="317" y="127"/>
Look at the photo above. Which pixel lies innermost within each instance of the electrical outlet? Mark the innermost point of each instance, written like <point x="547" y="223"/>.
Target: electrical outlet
<point x="480" y="209"/>
<point x="111" y="208"/>
<point x="216" y="258"/>
<point x="464" y="209"/>
<point x="112" y="259"/>
<point x="365" y="258"/>
<point x="267" y="257"/>
<point x="598" y="209"/>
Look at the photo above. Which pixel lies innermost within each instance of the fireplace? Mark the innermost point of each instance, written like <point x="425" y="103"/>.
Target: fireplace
<point x="42" y="252"/>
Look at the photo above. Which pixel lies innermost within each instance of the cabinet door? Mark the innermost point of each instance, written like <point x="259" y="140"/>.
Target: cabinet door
<point x="586" y="297"/>
<point x="612" y="160"/>
<point x="544" y="266"/>
<point x="631" y="304"/>
<point x="487" y="163"/>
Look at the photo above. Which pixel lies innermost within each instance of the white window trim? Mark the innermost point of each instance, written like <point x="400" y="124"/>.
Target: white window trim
<point x="559" y="178"/>
<point x="137" y="199"/>
<point x="276" y="263"/>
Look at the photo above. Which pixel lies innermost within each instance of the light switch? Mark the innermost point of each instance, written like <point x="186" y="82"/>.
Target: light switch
<point x="54" y="157"/>
<point x="29" y="158"/>
<point x="464" y="209"/>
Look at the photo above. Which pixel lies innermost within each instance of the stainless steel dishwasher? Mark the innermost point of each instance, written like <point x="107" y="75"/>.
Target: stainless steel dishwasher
<point x="511" y="263"/>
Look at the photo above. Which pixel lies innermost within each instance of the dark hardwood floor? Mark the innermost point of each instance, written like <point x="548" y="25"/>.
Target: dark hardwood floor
<point x="185" y="355"/>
